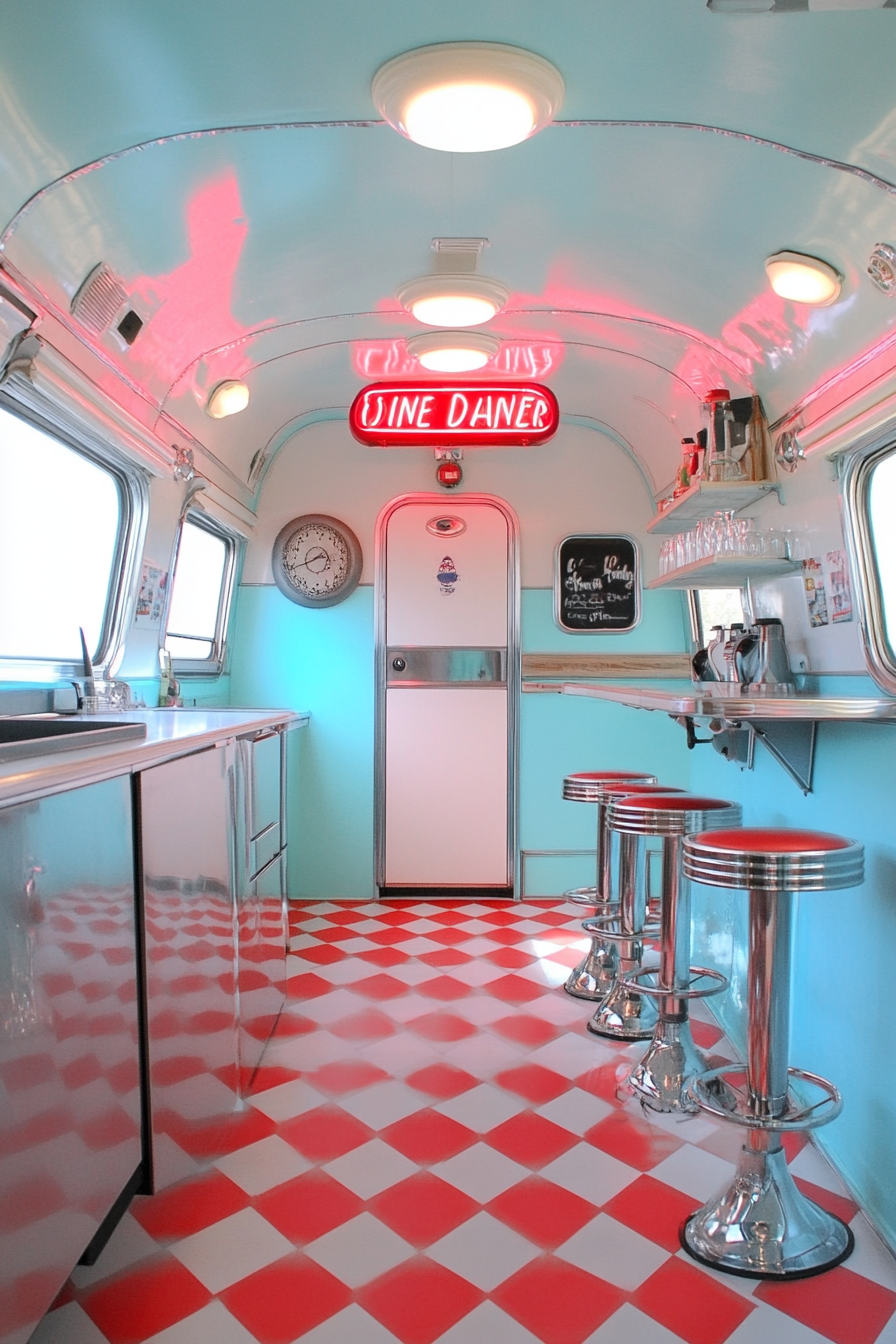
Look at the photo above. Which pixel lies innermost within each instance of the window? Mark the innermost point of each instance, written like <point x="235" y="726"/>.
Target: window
<point x="869" y="491"/>
<point x="64" y="522"/>
<point x="200" y="597"/>
<point x="715" y="606"/>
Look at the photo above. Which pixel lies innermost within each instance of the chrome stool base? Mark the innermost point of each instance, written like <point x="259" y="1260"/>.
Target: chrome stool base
<point x="624" y="1016"/>
<point x="762" y="1226"/>
<point x="660" y="1080"/>
<point x="595" y="974"/>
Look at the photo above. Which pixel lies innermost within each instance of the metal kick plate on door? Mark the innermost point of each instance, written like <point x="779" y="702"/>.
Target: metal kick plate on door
<point x="446" y="667"/>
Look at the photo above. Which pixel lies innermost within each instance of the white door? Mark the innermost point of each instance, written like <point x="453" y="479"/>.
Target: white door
<point x="447" y="635"/>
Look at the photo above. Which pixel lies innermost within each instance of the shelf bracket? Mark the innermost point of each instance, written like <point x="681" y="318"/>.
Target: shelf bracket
<point x="792" y="743"/>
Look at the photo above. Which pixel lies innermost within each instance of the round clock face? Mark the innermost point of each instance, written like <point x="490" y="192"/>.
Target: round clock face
<point x="317" y="561"/>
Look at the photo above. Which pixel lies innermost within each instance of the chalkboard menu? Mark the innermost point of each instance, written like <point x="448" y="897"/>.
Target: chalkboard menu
<point x="597" y="585"/>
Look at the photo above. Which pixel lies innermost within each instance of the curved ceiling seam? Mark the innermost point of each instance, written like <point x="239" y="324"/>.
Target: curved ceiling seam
<point x="328" y="414"/>
<point x="666" y="327"/>
<point x="176" y="137"/>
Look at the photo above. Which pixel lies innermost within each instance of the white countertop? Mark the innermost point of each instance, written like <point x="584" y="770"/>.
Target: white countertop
<point x="169" y="733"/>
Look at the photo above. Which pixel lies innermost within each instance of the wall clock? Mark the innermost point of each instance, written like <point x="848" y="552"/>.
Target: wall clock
<point x="317" y="561"/>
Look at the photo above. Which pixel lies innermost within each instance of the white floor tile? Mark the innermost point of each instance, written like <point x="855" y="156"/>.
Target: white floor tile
<point x="571" y="1055"/>
<point x="813" y="1166"/>
<point x="484" y="1055"/>
<point x="487" y="1323"/>
<point x="359" y="1250"/>
<point x="382" y="1104"/>
<point x="482" y="1107"/>
<point x="231" y="1249"/>
<point x="476" y="926"/>
<point x="483" y="1251"/>
<point x="588" y="1172"/>
<point x="198" y="1098"/>
<point x="374" y="925"/>
<point x="212" y="1325"/>
<point x="357" y="943"/>
<point x="479" y="945"/>
<point x="127" y="1244"/>
<point x="371" y="1168"/>
<point x="871" y="1257"/>
<point x="693" y="1128"/>
<point x="404" y="1009"/>
<point x="613" y="1252"/>
<point x="545" y="972"/>
<point x="415" y="947"/>
<point x="413" y="972"/>
<point x="400" y="1054"/>
<point x="576" y="1110"/>
<point x="481" y="1010"/>
<point x="481" y="1172"/>
<point x="767" y="1326"/>
<point x="288" y="1100"/>
<point x="698" y="1173"/>
<point x="630" y="1326"/>
<point x="422" y="925"/>
<point x="344" y="972"/>
<point x="262" y="1165"/>
<point x="888" y="1334"/>
<point x="561" y="1009"/>
<point x="477" y="973"/>
<point x="314" y="923"/>
<point x="351" y="1326"/>
<point x="735" y="1282"/>
<point x="67" y="1325"/>
<point x="172" y="1159"/>
<point x="330" y="1008"/>
<point x="307" y="1052"/>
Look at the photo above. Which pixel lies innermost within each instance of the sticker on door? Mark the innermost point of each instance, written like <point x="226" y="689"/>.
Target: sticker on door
<point x="447" y="576"/>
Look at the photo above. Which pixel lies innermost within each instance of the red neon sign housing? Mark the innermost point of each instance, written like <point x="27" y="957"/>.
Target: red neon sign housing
<point x="417" y="414"/>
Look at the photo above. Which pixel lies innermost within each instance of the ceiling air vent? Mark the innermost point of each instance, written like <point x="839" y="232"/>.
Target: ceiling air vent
<point x="99" y="300"/>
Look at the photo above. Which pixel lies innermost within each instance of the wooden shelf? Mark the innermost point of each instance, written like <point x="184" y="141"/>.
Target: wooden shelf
<point x="706" y="498"/>
<point x="725" y="571"/>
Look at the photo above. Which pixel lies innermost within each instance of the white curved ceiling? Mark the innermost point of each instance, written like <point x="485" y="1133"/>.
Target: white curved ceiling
<point x="260" y="240"/>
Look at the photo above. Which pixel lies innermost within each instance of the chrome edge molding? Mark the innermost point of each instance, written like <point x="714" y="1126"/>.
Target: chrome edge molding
<point x="856" y="466"/>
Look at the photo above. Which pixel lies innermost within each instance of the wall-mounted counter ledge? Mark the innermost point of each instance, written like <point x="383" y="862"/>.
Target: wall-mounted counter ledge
<point x="686" y="699"/>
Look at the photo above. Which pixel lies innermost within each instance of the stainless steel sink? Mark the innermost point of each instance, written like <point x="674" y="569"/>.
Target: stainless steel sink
<point x="36" y="737"/>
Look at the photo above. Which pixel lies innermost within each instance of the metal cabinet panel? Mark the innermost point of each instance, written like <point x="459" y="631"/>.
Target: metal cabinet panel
<point x="69" y="1037"/>
<point x="263" y="937"/>
<point x="189" y="810"/>
<point x="263" y="779"/>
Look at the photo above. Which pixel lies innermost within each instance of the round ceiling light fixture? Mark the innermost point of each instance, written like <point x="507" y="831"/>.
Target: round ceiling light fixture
<point x="453" y="300"/>
<point x="453" y="351"/>
<point x="803" y="279"/>
<point x="228" y="398"/>
<point x="467" y="97"/>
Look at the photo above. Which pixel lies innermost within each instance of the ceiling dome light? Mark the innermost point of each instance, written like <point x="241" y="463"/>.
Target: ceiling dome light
<point x="227" y="399"/>
<point x="453" y="300"/>
<point x="453" y="351"/>
<point x="803" y="279"/>
<point x="466" y="97"/>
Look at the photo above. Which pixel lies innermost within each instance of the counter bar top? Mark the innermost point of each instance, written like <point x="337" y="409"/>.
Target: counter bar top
<point x="169" y="733"/>
<point x="684" y="698"/>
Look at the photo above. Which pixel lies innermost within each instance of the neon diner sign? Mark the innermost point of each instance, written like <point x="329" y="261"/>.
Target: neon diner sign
<point x="418" y="414"/>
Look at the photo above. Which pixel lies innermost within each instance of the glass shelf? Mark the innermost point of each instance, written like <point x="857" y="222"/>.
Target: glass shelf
<point x="726" y="571"/>
<point x="709" y="497"/>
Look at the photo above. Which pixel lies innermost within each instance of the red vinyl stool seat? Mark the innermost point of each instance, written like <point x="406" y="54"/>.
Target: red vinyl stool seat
<point x="761" y="1225"/>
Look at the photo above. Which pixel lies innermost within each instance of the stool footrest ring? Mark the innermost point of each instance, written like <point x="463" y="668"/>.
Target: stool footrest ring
<point x="602" y="924"/>
<point x="730" y="1104"/>
<point x="584" y="896"/>
<point x="635" y="981"/>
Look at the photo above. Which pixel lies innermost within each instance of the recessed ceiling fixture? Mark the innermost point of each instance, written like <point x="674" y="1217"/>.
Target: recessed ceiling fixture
<point x="228" y="398"/>
<point x="453" y="351"/>
<point x="466" y="97"/>
<point x="454" y="296"/>
<point x="803" y="279"/>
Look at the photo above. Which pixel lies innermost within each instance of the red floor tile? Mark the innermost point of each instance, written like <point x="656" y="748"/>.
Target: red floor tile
<point x="534" y="1082"/>
<point x="419" y="1300"/>
<point x="841" y="1305"/>
<point x="286" y="1300"/>
<point x="653" y="1209"/>
<point x="557" y="1302"/>
<point x="324" y="954"/>
<point x="841" y="1207"/>
<point x="508" y="936"/>
<point x="427" y="1137"/>
<point x="307" y="1207"/>
<point x="499" y="918"/>
<point x="444" y="988"/>
<point x="448" y="956"/>
<point x="423" y="1208"/>
<point x="705" y="1034"/>
<point x="142" y="1301"/>
<point x="670" y="1295"/>
<point x="307" y="986"/>
<point x="269" y="1075"/>
<point x="380" y="987"/>
<point x="387" y="937"/>
<point x="510" y="957"/>
<point x="346" y="1076"/>
<point x="207" y="1140"/>
<point x="530" y="1139"/>
<point x="449" y="917"/>
<point x="449" y="936"/>
<point x="442" y="1081"/>
<point x="514" y="989"/>
<point x="383" y="956"/>
<point x="441" y="1027"/>
<point x="542" y="1212"/>
<point x="603" y="1081"/>
<point x="189" y="1206"/>
<point x="325" y="1133"/>
<point x="293" y="1024"/>
<point x="525" y="1029"/>
<point x="368" y="1025"/>
<point x="632" y="1140"/>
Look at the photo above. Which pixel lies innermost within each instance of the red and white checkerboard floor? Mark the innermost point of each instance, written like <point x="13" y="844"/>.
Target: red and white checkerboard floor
<point x="434" y="1152"/>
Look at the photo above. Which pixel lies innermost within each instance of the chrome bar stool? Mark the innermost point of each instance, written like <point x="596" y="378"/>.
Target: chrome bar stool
<point x="672" y="1060"/>
<point x="762" y="1226"/>
<point x="585" y="981"/>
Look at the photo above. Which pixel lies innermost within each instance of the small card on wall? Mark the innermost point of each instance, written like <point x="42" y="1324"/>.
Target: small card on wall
<point x="152" y="595"/>
<point x="597" y="586"/>
<point x="828" y="592"/>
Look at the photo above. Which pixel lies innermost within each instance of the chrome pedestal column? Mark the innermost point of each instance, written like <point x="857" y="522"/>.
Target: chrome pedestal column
<point x="625" y="1013"/>
<point x="596" y="972"/>
<point x="762" y="1226"/>
<point x="672" y="1060"/>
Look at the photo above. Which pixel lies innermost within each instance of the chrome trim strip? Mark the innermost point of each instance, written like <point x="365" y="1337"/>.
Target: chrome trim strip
<point x="446" y="667"/>
<point x="857" y="465"/>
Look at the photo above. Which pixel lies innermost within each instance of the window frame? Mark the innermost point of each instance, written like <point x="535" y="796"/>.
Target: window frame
<point x="213" y="666"/>
<point x="857" y="465"/>
<point x="133" y="494"/>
